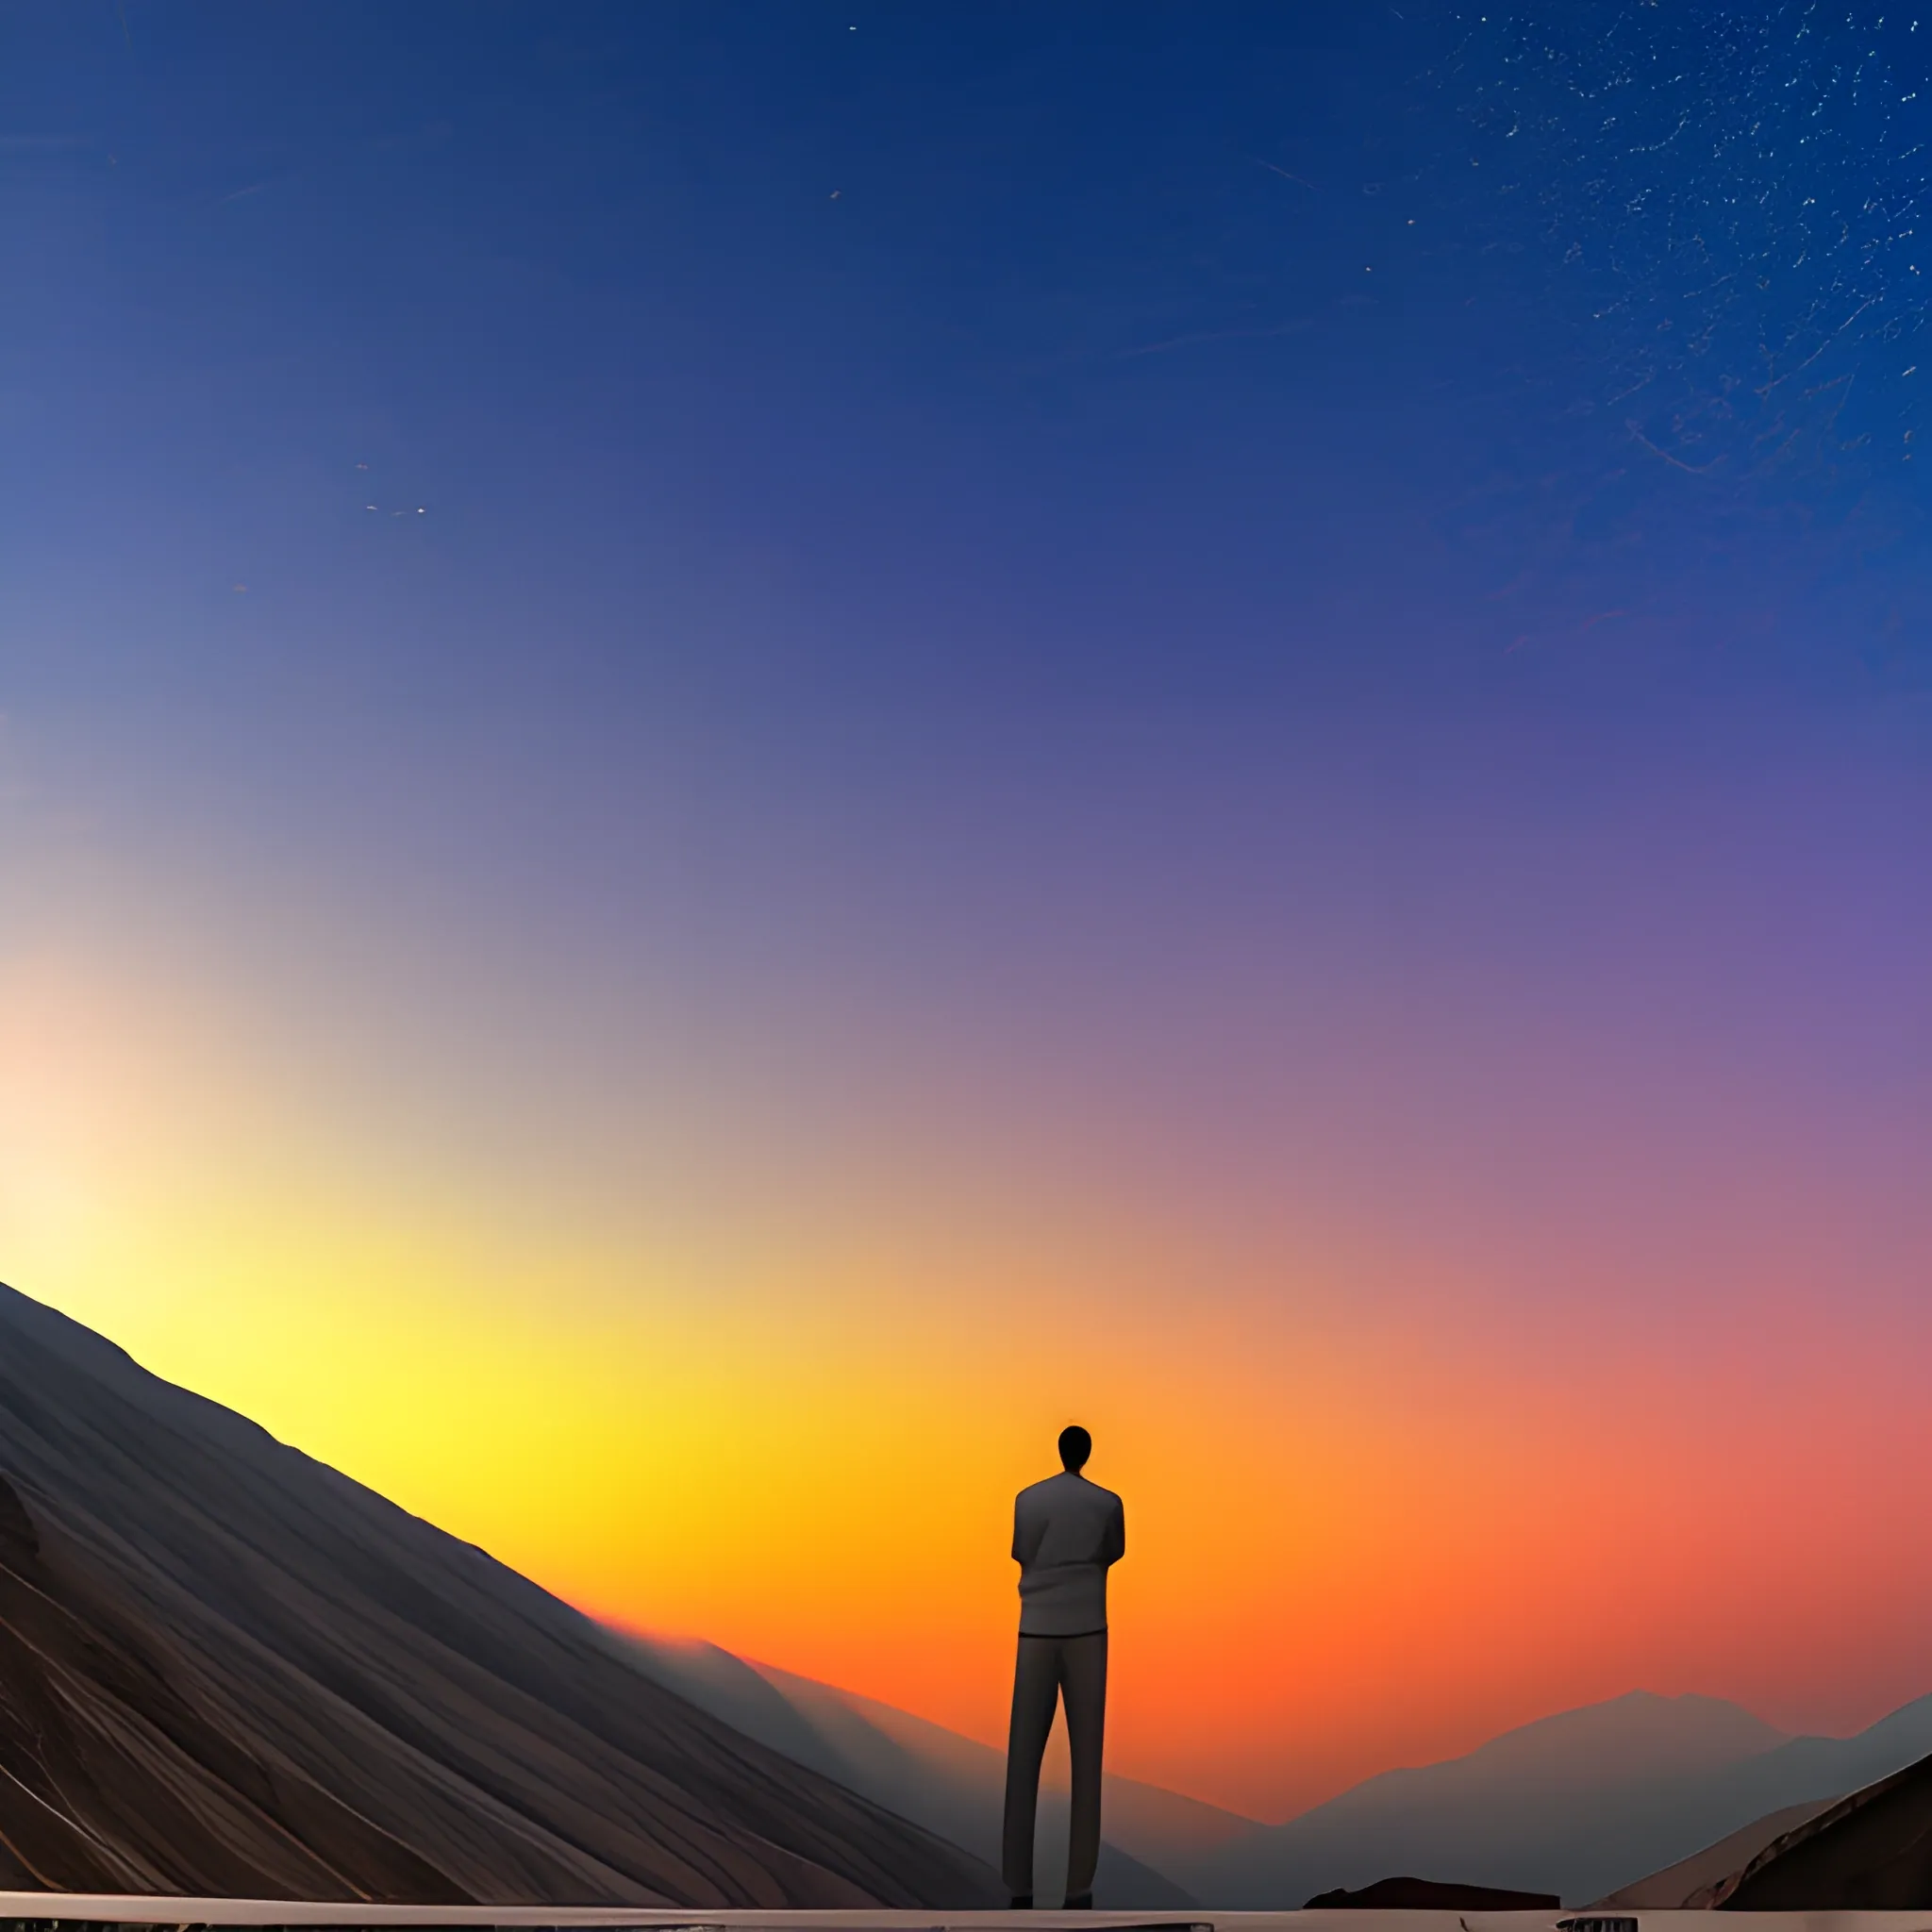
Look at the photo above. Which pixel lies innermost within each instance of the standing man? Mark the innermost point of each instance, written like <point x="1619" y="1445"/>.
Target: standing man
<point x="1066" y="1533"/>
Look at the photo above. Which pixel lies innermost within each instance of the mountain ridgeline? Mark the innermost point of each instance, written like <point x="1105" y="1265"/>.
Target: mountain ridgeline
<point x="1668" y="1798"/>
<point x="227" y="1670"/>
<point x="1579" y="1803"/>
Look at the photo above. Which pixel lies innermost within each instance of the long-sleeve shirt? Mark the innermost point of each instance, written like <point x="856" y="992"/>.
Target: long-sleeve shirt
<point x="1066" y="1532"/>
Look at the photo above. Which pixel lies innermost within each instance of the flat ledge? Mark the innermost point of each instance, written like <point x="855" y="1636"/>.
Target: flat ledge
<point x="44" y="1908"/>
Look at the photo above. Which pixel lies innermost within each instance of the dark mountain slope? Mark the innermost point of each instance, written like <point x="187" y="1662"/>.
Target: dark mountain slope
<point x="226" y="1669"/>
<point x="1871" y="1852"/>
<point x="1739" y="1812"/>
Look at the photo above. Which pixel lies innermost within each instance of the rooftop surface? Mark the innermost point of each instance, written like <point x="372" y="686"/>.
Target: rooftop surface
<point x="44" y="1908"/>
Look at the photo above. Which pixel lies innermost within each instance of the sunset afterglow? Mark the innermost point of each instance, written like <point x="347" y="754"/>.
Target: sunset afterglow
<point x="971" y="804"/>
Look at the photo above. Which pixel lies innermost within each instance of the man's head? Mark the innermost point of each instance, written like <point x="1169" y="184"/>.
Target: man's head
<point x="1076" y="1445"/>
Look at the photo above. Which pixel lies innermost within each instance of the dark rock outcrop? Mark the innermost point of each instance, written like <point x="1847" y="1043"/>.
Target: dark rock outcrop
<point x="1870" y="1852"/>
<point x="1428" y="1895"/>
<point x="1692" y="1884"/>
<point x="227" y="1670"/>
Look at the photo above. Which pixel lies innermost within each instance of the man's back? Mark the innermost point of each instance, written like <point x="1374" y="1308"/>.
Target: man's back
<point x="1066" y="1532"/>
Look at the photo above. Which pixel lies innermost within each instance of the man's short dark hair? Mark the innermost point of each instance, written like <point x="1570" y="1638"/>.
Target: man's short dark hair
<point x="1076" y="1445"/>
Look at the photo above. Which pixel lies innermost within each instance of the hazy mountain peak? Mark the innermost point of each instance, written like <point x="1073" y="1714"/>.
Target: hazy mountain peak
<point x="1629" y="1733"/>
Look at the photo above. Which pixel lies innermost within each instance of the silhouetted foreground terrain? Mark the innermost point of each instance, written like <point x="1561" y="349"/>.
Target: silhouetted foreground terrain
<point x="1870" y="1852"/>
<point x="225" y="1669"/>
<point x="1428" y="1895"/>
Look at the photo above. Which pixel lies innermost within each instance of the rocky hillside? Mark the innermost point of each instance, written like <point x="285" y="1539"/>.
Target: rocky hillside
<point x="225" y="1669"/>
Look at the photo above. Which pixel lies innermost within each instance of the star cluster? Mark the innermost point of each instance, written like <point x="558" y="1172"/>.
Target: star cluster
<point x="1737" y="196"/>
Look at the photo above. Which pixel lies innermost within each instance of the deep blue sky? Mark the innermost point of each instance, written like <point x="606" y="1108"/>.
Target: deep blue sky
<point x="775" y="360"/>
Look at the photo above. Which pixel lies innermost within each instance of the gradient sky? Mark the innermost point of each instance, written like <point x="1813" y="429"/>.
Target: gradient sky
<point x="745" y="748"/>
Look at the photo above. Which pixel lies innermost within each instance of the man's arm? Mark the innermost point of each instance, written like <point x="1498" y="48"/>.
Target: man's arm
<point x="1114" y="1546"/>
<point x="1031" y="1520"/>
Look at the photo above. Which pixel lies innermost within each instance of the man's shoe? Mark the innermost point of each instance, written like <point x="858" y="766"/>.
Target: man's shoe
<point x="1079" y="1902"/>
<point x="1023" y="1901"/>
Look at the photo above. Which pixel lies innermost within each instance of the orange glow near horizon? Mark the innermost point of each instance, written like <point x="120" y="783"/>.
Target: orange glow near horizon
<point x="1359" y="1534"/>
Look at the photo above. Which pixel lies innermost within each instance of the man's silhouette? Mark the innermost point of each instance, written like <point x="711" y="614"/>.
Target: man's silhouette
<point x="1066" y="1532"/>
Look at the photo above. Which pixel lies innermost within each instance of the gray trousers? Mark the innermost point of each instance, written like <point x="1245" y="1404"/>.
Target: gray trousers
<point x="1049" y="1669"/>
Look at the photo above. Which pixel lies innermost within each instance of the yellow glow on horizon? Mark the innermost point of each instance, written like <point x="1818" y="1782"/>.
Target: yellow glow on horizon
<point x="810" y="1460"/>
<point x="797" y="1434"/>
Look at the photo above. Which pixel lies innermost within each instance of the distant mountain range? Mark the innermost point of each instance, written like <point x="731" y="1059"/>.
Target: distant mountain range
<point x="1577" y="1804"/>
<point x="226" y="1669"/>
